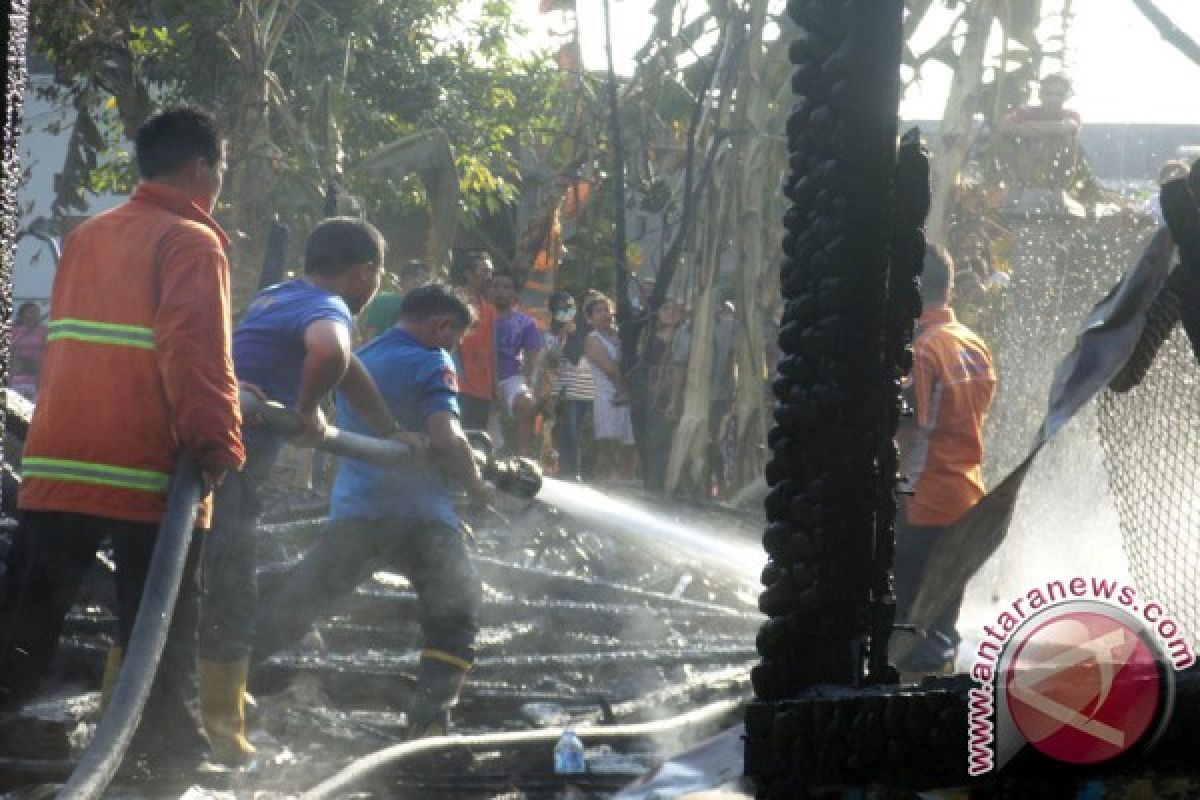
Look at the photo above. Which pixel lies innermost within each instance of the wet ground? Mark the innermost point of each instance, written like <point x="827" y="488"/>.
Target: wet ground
<point x="584" y="624"/>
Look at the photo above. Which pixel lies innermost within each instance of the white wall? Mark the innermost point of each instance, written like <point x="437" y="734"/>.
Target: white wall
<point x="42" y="155"/>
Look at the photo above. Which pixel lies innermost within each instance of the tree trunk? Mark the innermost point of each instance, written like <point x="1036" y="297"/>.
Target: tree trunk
<point x="693" y="438"/>
<point x="958" y="129"/>
<point x="251" y="182"/>
<point x="753" y="264"/>
<point x="254" y="155"/>
<point x="1171" y="32"/>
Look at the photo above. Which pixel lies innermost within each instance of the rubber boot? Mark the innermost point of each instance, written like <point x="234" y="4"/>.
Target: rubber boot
<point x="223" y="709"/>
<point x="439" y="683"/>
<point x="112" y="669"/>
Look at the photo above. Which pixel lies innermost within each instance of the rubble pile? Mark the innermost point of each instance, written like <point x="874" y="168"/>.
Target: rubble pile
<point x="580" y="627"/>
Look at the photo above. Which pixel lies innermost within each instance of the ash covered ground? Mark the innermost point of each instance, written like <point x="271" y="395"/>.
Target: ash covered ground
<point x="588" y="619"/>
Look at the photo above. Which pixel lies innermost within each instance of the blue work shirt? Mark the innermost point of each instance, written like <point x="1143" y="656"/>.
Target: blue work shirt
<point x="268" y="344"/>
<point x="269" y="351"/>
<point x="416" y="381"/>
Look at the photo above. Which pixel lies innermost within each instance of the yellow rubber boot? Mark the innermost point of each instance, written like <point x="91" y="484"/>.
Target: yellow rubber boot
<point x="223" y="708"/>
<point x="440" y="680"/>
<point x="112" y="668"/>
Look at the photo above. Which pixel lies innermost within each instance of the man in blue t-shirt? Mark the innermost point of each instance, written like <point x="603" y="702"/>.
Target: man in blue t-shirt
<point x="292" y="345"/>
<point x="401" y="518"/>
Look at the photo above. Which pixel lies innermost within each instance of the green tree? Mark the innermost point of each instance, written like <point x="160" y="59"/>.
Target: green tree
<point x="308" y="90"/>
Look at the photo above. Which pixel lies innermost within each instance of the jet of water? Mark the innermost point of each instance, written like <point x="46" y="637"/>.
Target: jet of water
<point x="622" y="516"/>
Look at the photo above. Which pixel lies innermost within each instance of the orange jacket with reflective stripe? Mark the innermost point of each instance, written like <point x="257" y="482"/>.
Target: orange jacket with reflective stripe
<point x="138" y="362"/>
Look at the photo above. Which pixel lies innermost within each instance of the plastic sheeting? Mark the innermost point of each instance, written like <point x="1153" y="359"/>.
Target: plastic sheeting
<point x="710" y="766"/>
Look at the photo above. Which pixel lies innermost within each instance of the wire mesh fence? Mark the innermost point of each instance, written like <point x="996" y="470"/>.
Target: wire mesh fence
<point x="1150" y="437"/>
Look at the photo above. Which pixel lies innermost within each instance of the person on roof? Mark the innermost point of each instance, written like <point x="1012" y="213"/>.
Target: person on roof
<point x="1040" y="144"/>
<point x="1050" y="116"/>
<point x="137" y="369"/>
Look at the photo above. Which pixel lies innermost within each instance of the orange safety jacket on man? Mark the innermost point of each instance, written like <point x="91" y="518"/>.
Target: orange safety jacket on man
<point x="953" y="382"/>
<point x="138" y="362"/>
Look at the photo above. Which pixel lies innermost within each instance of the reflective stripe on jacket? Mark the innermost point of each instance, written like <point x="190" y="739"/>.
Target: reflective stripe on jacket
<point x="137" y="362"/>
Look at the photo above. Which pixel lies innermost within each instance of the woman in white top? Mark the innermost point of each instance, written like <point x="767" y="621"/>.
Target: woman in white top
<point x="611" y="423"/>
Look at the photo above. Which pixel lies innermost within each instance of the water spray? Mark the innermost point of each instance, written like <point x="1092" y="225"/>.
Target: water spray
<point x="729" y="551"/>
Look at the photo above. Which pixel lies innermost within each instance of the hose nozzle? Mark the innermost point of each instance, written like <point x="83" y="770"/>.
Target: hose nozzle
<point x="519" y="477"/>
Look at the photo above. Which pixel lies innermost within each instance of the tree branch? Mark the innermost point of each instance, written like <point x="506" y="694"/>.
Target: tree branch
<point x="1169" y="30"/>
<point x="675" y="249"/>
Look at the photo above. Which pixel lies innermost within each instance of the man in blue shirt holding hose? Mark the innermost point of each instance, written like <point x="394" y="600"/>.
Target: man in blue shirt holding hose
<point x="293" y="345"/>
<point x="402" y="517"/>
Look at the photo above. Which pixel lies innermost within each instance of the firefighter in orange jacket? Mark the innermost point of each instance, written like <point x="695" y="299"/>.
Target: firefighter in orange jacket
<point x="138" y="366"/>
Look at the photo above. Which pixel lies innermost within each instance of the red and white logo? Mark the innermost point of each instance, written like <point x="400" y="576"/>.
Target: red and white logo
<point x="1083" y="686"/>
<point x="1080" y="679"/>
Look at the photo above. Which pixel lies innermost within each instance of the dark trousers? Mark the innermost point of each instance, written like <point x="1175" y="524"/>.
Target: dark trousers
<point x="656" y="448"/>
<point x="228" y="570"/>
<point x="914" y="545"/>
<point x="50" y="558"/>
<point x="568" y="431"/>
<point x="474" y="412"/>
<point x="431" y="555"/>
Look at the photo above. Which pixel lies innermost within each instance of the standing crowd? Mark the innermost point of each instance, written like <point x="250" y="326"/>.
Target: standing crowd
<point x="563" y="395"/>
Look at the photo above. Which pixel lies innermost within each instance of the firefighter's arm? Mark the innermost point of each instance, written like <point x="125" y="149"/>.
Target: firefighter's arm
<point x="326" y="354"/>
<point x="193" y="345"/>
<point x="450" y="447"/>
<point x="360" y="390"/>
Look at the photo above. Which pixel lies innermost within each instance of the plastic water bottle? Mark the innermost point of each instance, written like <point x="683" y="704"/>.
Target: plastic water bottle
<point x="568" y="754"/>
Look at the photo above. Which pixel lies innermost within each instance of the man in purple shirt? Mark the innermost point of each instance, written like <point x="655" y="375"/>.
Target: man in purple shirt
<point x="518" y="351"/>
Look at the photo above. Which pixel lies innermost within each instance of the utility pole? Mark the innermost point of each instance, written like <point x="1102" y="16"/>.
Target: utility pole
<point x="624" y="312"/>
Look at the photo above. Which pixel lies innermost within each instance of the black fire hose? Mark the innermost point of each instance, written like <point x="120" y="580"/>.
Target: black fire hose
<point x="100" y="761"/>
<point x="692" y="726"/>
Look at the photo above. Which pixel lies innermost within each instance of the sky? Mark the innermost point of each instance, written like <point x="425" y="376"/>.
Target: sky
<point x="1122" y="69"/>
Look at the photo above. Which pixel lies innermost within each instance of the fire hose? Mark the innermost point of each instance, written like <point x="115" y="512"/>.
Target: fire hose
<point x="520" y="477"/>
<point x="95" y="770"/>
<point x="692" y="725"/>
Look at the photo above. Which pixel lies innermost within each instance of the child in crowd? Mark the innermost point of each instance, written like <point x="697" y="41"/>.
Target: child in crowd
<point x="572" y="385"/>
